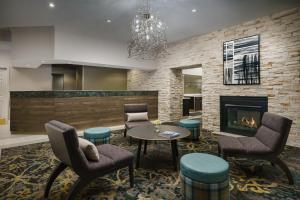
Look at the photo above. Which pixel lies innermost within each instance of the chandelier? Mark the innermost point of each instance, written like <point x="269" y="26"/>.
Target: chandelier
<point x="148" y="37"/>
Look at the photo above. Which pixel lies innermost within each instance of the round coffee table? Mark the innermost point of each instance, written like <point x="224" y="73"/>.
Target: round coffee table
<point x="148" y="133"/>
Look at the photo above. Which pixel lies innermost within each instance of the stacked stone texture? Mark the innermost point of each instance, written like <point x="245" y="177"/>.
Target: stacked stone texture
<point x="279" y="64"/>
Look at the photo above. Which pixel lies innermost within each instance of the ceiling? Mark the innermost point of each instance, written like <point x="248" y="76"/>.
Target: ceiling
<point x="92" y="14"/>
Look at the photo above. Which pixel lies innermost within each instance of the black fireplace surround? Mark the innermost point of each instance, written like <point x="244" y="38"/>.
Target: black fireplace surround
<point x="242" y="114"/>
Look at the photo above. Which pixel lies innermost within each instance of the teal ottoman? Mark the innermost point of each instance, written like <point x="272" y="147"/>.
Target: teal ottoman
<point x="193" y="125"/>
<point x="97" y="135"/>
<point x="204" y="176"/>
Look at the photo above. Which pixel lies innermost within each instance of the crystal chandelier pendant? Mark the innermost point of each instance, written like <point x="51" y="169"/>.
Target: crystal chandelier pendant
<point x="148" y="37"/>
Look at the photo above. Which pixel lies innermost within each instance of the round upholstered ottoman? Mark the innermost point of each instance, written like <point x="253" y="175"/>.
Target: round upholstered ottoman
<point x="193" y="125"/>
<point x="204" y="176"/>
<point x="97" y="135"/>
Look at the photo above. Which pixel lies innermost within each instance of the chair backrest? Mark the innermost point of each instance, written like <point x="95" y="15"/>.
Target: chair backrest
<point x="64" y="143"/>
<point x="134" y="108"/>
<point x="274" y="131"/>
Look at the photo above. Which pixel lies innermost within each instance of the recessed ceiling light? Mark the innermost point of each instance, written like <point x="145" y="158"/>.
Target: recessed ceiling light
<point x="108" y="21"/>
<point x="51" y="4"/>
<point x="194" y="10"/>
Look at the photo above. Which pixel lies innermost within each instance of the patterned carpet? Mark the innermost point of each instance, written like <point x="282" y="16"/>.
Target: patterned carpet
<point x="24" y="172"/>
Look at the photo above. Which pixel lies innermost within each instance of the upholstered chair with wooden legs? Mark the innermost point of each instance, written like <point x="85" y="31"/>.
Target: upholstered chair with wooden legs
<point x="64" y="142"/>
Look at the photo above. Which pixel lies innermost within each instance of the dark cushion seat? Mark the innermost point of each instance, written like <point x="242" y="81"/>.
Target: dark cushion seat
<point x="243" y="145"/>
<point x="104" y="163"/>
<point x="231" y="144"/>
<point x="254" y="146"/>
<point x="130" y="125"/>
<point x="117" y="155"/>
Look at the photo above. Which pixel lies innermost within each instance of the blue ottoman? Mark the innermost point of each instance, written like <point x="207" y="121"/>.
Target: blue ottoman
<point x="193" y="126"/>
<point x="97" y="135"/>
<point x="204" y="176"/>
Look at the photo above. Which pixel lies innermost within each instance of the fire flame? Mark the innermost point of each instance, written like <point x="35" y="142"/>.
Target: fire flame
<point x="251" y="123"/>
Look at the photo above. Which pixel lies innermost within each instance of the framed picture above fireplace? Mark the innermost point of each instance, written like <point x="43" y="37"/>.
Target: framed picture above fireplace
<point x="241" y="64"/>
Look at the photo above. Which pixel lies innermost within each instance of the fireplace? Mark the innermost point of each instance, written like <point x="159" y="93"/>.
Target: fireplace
<point x="241" y="114"/>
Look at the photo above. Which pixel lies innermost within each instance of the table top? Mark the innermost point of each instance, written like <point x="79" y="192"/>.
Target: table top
<point x="149" y="132"/>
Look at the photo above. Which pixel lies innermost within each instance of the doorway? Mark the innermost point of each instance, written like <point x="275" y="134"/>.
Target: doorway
<point x="57" y="82"/>
<point x="192" y="101"/>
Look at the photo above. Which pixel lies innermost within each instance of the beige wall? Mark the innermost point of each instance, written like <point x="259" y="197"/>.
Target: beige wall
<point x="22" y="79"/>
<point x="90" y="46"/>
<point x="5" y="59"/>
<point x="280" y="69"/>
<point x="35" y="45"/>
<point x="32" y="45"/>
<point x="97" y="78"/>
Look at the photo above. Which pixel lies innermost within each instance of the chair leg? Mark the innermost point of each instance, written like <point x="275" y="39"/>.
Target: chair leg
<point x="221" y="153"/>
<point x="283" y="166"/>
<point x="59" y="168"/>
<point x="174" y="157"/>
<point x="131" y="175"/>
<point x="76" y="188"/>
<point x="125" y="132"/>
<point x="138" y="154"/>
<point x="145" y="146"/>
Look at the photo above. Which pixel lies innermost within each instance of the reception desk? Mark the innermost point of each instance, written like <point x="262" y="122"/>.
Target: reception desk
<point x="30" y="110"/>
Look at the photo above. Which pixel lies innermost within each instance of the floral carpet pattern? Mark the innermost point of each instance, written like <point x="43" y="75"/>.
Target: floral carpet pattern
<point x="24" y="172"/>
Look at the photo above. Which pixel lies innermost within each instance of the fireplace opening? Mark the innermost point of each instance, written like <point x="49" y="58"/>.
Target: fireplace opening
<point x="242" y="115"/>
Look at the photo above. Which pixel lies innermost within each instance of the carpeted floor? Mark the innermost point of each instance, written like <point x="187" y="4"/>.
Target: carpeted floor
<point x="24" y="172"/>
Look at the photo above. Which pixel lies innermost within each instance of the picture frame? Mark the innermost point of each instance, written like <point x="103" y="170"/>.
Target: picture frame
<point x="241" y="61"/>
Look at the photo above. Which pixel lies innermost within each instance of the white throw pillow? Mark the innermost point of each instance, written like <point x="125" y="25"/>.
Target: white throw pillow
<point x="89" y="149"/>
<point x="142" y="116"/>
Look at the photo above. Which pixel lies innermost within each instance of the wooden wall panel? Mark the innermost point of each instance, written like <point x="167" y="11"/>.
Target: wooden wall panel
<point x="29" y="114"/>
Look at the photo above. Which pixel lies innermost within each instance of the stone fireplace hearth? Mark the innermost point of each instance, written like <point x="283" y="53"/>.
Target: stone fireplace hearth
<point x="241" y="114"/>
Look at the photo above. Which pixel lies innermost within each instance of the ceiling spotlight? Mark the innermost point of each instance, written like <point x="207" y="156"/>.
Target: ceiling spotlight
<point x="194" y="10"/>
<point x="108" y="21"/>
<point x="51" y="4"/>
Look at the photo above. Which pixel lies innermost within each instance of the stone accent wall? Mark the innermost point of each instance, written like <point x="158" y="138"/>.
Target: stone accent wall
<point x="280" y="69"/>
<point x="169" y="97"/>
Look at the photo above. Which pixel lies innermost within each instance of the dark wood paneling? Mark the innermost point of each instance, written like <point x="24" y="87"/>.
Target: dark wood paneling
<point x="30" y="114"/>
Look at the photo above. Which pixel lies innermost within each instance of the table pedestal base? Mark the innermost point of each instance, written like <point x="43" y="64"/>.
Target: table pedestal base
<point x="174" y="149"/>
